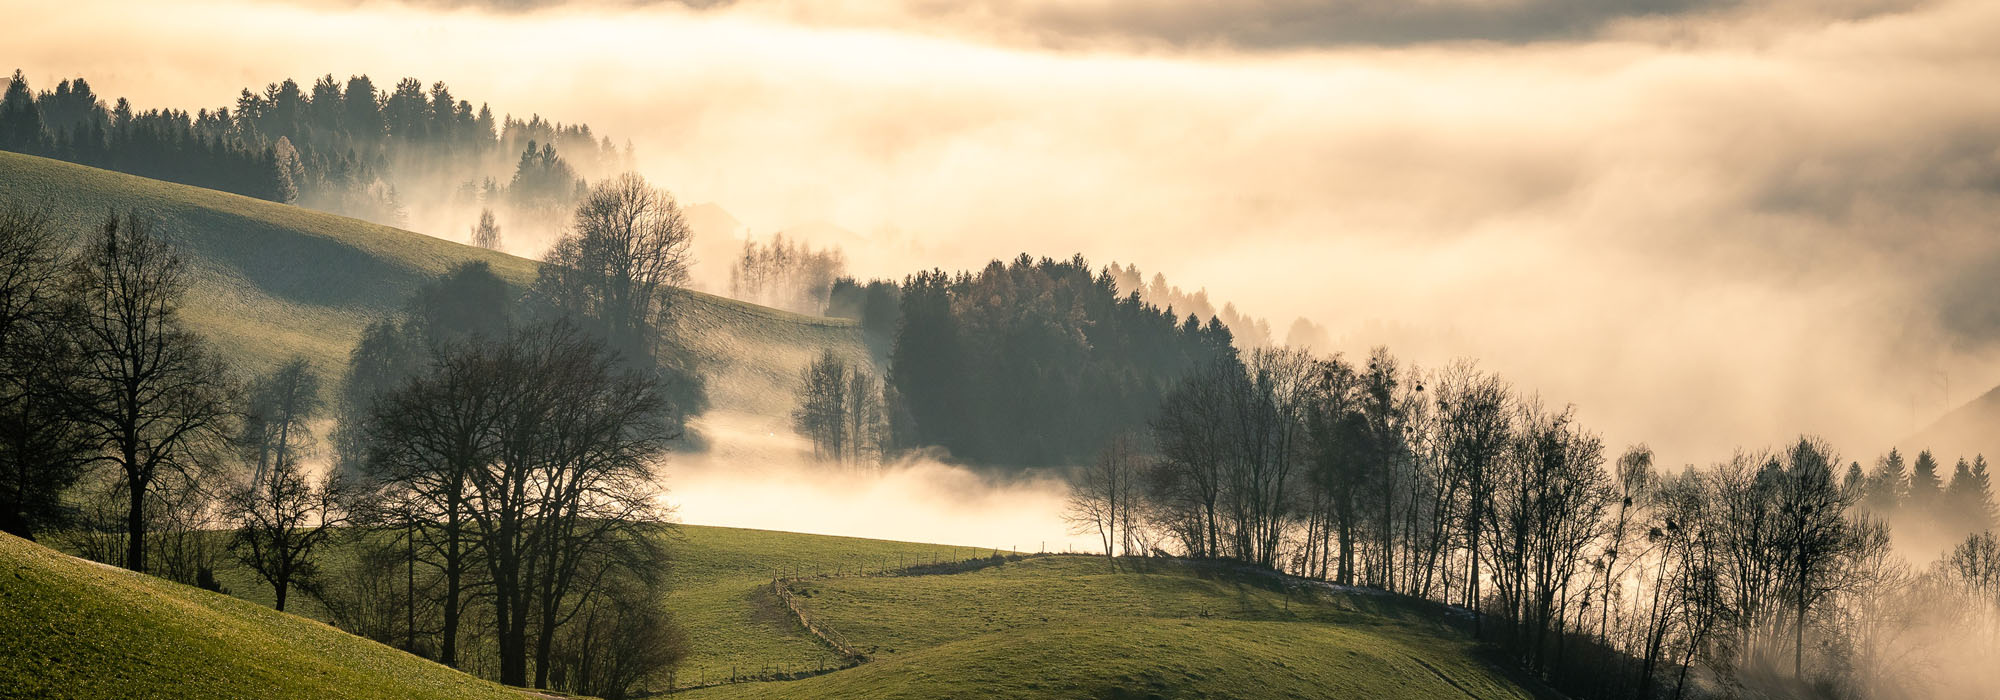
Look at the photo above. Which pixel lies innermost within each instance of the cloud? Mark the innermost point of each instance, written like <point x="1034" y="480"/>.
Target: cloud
<point x="1218" y="24"/>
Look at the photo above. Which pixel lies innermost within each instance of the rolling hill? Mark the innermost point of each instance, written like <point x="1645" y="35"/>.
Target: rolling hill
<point x="1067" y="626"/>
<point x="719" y="591"/>
<point x="70" y="628"/>
<point x="1971" y="429"/>
<point x="275" y="280"/>
<point x="1018" y="627"/>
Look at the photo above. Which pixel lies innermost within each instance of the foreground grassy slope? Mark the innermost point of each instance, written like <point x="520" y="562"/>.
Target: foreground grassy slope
<point x="719" y="591"/>
<point x="1062" y="627"/>
<point x="75" y="629"/>
<point x="274" y="280"/>
<point x="1050" y="627"/>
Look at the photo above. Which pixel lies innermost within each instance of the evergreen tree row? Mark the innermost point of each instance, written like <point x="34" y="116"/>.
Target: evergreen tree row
<point x="349" y="148"/>
<point x="981" y="361"/>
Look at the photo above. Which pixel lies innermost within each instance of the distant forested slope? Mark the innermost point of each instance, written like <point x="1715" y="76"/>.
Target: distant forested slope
<point x="387" y="154"/>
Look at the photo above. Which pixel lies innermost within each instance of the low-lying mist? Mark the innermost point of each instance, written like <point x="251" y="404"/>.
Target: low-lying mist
<point x="754" y="474"/>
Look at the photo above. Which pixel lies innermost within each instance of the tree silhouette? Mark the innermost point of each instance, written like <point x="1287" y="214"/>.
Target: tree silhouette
<point x="155" y="396"/>
<point x="42" y="447"/>
<point x="1925" y="483"/>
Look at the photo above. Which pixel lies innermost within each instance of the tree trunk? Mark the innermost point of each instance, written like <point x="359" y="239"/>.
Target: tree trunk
<point x="448" y="647"/>
<point x="135" y="520"/>
<point x="513" y="642"/>
<point x="1388" y="544"/>
<point x="1472" y="586"/>
<point x="1345" y="574"/>
<point x="1799" y="643"/>
<point x="410" y="570"/>
<point x="545" y="645"/>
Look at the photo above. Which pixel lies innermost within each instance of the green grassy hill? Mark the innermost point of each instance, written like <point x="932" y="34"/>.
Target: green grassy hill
<point x="1068" y="626"/>
<point x="75" y="629"/>
<point x="719" y="590"/>
<point x="1041" y="627"/>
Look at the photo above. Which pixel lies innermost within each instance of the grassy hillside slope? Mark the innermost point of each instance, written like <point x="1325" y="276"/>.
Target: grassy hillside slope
<point x="75" y="629"/>
<point x="1047" y="627"/>
<point x="719" y="590"/>
<point x="1065" y="627"/>
<point x="274" y="280"/>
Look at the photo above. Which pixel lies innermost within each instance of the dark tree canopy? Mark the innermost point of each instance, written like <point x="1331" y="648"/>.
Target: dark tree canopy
<point x="42" y="447"/>
<point x="1036" y="362"/>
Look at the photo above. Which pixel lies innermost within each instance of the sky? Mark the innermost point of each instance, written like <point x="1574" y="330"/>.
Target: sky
<point x="1706" y="223"/>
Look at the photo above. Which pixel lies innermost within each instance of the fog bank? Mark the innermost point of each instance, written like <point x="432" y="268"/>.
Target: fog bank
<point x="752" y="472"/>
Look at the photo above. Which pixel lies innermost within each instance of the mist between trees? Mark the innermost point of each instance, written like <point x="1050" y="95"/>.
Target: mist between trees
<point x="405" y="156"/>
<point x="787" y="275"/>
<point x="1610" y="576"/>
<point x="491" y="500"/>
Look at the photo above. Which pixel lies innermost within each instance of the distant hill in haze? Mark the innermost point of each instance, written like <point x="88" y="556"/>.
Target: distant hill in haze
<point x="1971" y="429"/>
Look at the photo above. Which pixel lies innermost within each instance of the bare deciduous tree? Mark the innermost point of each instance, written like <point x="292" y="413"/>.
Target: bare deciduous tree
<point x="1103" y="497"/>
<point x="276" y="420"/>
<point x="155" y="395"/>
<point x="840" y="410"/>
<point x="626" y="250"/>
<point x="283" y="514"/>
<point x="1475" y="426"/>
<point x="1813" y="534"/>
<point x="283" y="520"/>
<point x="428" y="437"/>
<point x="1195" y="443"/>
<point x="486" y="234"/>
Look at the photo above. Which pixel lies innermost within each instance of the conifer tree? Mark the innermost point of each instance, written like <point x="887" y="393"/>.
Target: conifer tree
<point x="1925" y="484"/>
<point x="1962" y="509"/>
<point x="1890" y="483"/>
<point x="1979" y="497"/>
<point x="20" y="118"/>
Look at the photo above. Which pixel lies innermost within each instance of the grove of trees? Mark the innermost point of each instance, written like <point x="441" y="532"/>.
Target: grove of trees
<point x="1770" y="572"/>
<point x="1029" y="363"/>
<point x="786" y="274"/>
<point x="841" y="411"/>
